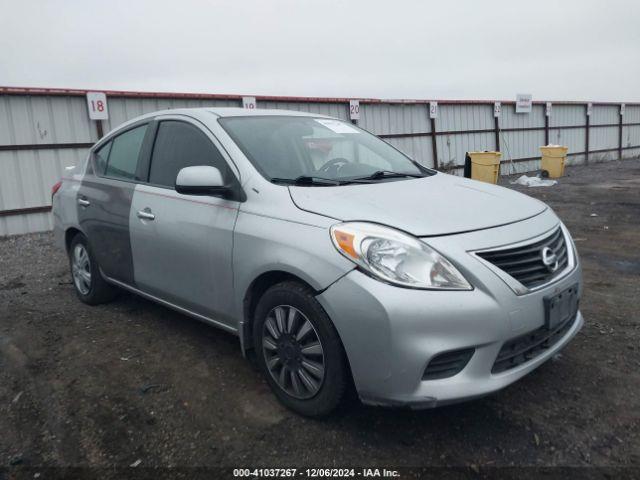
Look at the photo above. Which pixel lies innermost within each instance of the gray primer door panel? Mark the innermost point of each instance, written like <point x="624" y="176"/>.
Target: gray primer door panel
<point x="105" y="221"/>
<point x="184" y="254"/>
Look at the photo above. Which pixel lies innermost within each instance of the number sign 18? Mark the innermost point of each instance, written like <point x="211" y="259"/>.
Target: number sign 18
<point x="97" y="104"/>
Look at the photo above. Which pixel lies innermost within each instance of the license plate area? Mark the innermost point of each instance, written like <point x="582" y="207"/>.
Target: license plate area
<point x="561" y="307"/>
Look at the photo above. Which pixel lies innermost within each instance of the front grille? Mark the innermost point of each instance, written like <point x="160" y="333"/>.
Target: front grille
<point x="447" y="364"/>
<point x="527" y="347"/>
<point x="524" y="263"/>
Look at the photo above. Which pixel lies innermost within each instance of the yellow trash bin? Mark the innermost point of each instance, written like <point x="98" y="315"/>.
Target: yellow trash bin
<point x="553" y="158"/>
<point x="485" y="166"/>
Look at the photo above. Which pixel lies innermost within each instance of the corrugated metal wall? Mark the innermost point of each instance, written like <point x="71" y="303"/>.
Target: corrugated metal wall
<point x="457" y="118"/>
<point x="392" y="121"/>
<point x="26" y="176"/>
<point x="41" y="132"/>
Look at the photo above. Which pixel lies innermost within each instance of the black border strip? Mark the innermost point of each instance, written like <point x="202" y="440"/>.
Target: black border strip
<point x="44" y="146"/>
<point x="22" y="211"/>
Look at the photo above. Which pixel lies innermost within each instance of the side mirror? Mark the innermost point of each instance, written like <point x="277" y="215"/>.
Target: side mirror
<point x="201" y="180"/>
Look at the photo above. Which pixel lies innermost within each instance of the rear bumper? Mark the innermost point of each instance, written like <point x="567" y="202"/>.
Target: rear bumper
<point x="391" y="334"/>
<point x="58" y="227"/>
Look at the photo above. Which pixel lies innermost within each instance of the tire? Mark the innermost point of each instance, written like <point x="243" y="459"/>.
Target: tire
<point x="91" y="289"/>
<point x="301" y="358"/>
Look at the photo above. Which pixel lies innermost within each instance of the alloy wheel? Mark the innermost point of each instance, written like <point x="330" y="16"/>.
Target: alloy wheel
<point x="293" y="352"/>
<point x="81" y="269"/>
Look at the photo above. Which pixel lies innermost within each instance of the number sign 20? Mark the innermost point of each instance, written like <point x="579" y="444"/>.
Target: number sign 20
<point x="354" y="109"/>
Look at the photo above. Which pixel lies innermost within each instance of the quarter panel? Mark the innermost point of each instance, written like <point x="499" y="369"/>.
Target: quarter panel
<point x="63" y="204"/>
<point x="64" y="208"/>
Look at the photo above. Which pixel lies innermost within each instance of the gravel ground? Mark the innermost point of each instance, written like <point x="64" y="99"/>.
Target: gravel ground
<point x="129" y="381"/>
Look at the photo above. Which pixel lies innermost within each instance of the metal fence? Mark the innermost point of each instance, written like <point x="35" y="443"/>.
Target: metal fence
<point x="44" y="130"/>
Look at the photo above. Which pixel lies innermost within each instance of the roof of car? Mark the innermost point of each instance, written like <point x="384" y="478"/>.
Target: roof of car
<point x="231" y="112"/>
<point x="203" y="112"/>
<point x="244" y="112"/>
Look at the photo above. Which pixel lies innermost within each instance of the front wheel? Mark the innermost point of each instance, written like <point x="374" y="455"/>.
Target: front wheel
<point x="298" y="350"/>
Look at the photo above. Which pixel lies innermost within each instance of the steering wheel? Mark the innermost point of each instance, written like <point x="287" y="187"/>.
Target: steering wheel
<point x="333" y="166"/>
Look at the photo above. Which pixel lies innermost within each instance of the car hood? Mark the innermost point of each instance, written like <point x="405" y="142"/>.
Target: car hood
<point x="436" y="205"/>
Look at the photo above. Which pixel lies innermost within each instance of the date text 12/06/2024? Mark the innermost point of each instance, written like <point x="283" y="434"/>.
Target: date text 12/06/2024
<point x="316" y="472"/>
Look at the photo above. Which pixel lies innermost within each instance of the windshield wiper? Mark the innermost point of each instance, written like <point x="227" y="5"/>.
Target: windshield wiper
<point x="379" y="174"/>
<point x="308" y="180"/>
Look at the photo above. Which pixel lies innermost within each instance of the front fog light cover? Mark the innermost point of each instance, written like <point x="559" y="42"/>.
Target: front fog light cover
<point x="396" y="257"/>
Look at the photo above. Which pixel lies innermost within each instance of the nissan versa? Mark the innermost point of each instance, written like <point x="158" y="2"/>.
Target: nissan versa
<point x="336" y="259"/>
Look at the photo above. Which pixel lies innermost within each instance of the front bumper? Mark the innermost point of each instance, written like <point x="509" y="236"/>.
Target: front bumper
<point x="390" y="334"/>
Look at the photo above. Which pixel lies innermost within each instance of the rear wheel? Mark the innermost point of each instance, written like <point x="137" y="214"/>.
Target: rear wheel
<point x="88" y="283"/>
<point x="298" y="350"/>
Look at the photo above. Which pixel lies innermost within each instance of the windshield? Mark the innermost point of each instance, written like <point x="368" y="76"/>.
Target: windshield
<point x="288" y="148"/>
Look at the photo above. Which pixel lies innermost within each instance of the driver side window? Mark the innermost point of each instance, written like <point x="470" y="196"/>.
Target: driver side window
<point x="179" y="145"/>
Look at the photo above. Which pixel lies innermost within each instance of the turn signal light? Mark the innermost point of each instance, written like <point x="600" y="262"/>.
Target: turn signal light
<point x="345" y="242"/>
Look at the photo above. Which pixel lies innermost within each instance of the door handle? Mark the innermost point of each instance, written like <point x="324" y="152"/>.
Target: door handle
<point x="146" y="214"/>
<point x="83" y="202"/>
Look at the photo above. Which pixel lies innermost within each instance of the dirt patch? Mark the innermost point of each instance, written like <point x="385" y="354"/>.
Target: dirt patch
<point x="131" y="380"/>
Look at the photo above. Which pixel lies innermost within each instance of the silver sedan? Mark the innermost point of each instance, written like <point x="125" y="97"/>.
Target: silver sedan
<point x="338" y="261"/>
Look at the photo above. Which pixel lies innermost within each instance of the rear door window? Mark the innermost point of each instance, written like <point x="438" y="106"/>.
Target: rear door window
<point x="101" y="157"/>
<point x="125" y="149"/>
<point x="179" y="145"/>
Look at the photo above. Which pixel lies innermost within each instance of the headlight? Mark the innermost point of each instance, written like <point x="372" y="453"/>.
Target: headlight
<point x="396" y="257"/>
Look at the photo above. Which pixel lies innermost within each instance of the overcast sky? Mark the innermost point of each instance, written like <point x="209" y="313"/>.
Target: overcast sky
<point x="483" y="49"/>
